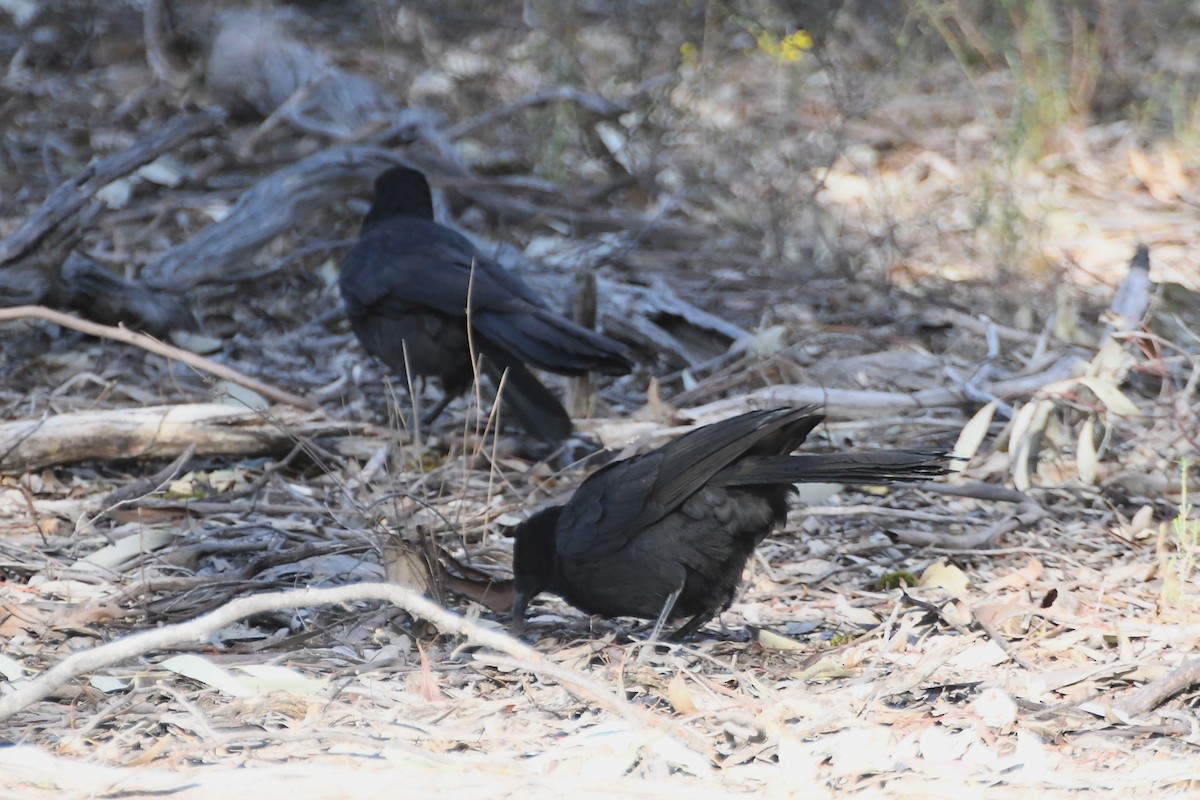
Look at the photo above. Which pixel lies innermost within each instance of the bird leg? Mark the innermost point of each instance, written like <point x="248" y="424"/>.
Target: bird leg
<point x="691" y="626"/>
<point x="520" y="604"/>
<point x="416" y="391"/>
<point x="438" y="407"/>
<point x="665" y="614"/>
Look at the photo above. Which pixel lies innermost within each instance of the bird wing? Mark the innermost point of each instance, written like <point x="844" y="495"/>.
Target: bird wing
<point x="551" y="342"/>
<point x="616" y="503"/>
<point x="405" y="264"/>
<point x="408" y="262"/>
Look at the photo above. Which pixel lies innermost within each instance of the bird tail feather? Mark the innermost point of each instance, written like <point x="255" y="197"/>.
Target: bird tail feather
<point x="535" y="407"/>
<point x="885" y="466"/>
<point x="552" y="343"/>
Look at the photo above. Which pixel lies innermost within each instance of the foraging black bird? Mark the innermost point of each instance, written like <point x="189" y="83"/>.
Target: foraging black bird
<point x="406" y="285"/>
<point x="667" y="533"/>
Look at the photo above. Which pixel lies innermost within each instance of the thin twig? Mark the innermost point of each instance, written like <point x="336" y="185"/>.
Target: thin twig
<point x="1155" y="693"/>
<point x="1003" y="331"/>
<point x="147" y="486"/>
<point x="973" y="389"/>
<point x="152" y="345"/>
<point x="198" y="629"/>
<point x="217" y="507"/>
<point x="853" y="401"/>
<point x="1005" y="645"/>
<point x="303" y="94"/>
<point x="589" y="101"/>
<point x="1025" y="515"/>
<point x="881" y="511"/>
<point x="977" y="490"/>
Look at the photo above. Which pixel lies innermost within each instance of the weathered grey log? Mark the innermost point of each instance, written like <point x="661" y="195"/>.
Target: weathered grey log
<point x="73" y="194"/>
<point x="38" y="267"/>
<point x="853" y="402"/>
<point x="155" y="432"/>
<point x="106" y="297"/>
<point x="274" y="205"/>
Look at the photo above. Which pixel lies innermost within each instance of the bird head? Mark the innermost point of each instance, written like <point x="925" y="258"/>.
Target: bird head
<point x="534" y="559"/>
<point x="400" y="192"/>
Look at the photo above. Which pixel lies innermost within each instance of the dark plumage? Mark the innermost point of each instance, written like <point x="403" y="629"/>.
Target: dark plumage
<point x="406" y="284"/>
<point x="668" y="533"/>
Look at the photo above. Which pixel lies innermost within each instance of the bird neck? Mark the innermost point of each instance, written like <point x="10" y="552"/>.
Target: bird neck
<point x="378" y="214"/>
<point x="535" y="552"/>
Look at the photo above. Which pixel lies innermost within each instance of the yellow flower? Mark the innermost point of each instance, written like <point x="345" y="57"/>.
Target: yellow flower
<point x="689" y="53"/>
<point x="789" y="49"/>
<point x="800" y="40"/>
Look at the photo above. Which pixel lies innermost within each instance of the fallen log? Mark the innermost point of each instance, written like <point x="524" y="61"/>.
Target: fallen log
<point x="75" y="193"/>
<point x="37" y="265"/>
<point x="158" y="432"/>
<point x="273" y="206"/>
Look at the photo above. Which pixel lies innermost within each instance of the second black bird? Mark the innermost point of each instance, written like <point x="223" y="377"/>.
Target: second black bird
<point x="667" y="533"/>
<point x="406" y="285"/>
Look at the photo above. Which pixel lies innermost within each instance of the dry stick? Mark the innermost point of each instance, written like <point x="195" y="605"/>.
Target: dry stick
<point x="972" y="388"/>
<point x="200" y="628"/>
<point x="956" y="541"/>
<point x="845" y="401"/>
<point x="581" y="397"/>
<point x="881" y="511"/>
<point x="150" y="344"/>
<point x="977" y="490"/>
<point x="589" y="101"/>
<point x="302" y="95"/>
<point x="156" y="432"/>
<point x="1026" y="514"/>
<point x="216" y="507"/>
<point x="649" y="227"/>
<point x="147" y="486"/>
<point x="1003" y="331"/>
<point x="73" y="194"/>
<point x="734" y="368"/>
<point x="1155" y="693"/>
<point x="165" y="64"/>
<point x="1005" y="645"/>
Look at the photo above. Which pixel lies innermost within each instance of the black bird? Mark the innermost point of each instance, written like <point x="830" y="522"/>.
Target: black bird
<point x="667" y="533"/>
<point x="406" y="285"/>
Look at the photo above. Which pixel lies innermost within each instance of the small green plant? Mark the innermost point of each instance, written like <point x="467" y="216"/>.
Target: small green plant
<point x="897" y="580"/>
<point x="1185" y="530"/>
<point x="1005" y="231"/>
<point x="1049" y="49"/>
